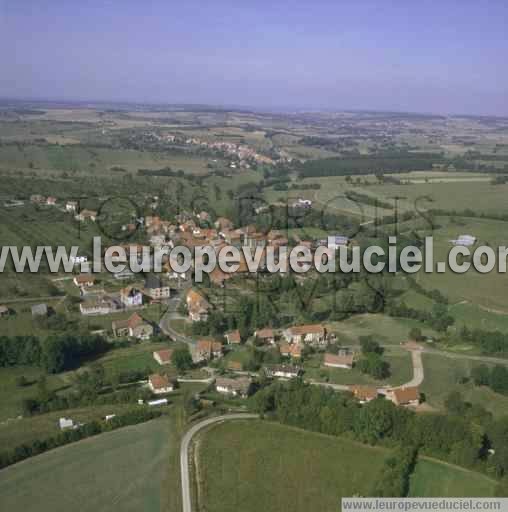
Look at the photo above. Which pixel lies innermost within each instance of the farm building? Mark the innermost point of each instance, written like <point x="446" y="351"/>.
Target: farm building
<point x="235" y="387"/>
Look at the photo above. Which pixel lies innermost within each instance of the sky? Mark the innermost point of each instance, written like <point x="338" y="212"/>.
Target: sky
<point x="447" y="57"/>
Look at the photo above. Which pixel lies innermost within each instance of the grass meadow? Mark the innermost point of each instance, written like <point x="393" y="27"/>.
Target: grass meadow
<point x="126" y="470"/>
<point x="444" y="374"/>
<point x="253" y="466"/>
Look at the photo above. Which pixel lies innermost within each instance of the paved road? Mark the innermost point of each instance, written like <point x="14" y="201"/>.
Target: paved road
<point x="418" y="373"/>
<point x="184" y="452"/>
<point x="172" y="314"/>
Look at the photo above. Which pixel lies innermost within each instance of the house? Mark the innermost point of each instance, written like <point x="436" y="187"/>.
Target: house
<point x="159" y="384"/>
<point x="235" y="387"/>
<point x="265" y="335"/>
<point x="339" y="361"/>
<point x="364" y="394"/>
<point x="302" y="203"/>
<point x="131" y="297"/>
<point x="71" y="206"/>
<point x="235" y="366"/>
<point x="40" y="310"/>
<point x="404" y="396"/>
<point x="85" y="215"/>
<point x="312" y="334"/>
<point x="206" y="350"/>
<point x="284" y="371"/>
<point x="98" y="305"/>
<point x="134" y="327"/>
<point x="78" y="260"/>
<point x="65" y="423"/>
<point x="155" y="289"/>
<point x="464" y="240"/>
<point x="335" y="241"/>
<point x="4" y="311"/>
<point x="197" y="306"/>
<point x="51" y="201"/>
<point x="233" y="337"/>
<point x="288" y="350"/>
<point x="163" y="356"/>
<point x="84" y="280"/>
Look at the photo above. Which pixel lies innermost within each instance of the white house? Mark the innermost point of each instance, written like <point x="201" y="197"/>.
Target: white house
<point x="159" y="384"/>
<point x="65" y="423"/>
<point x="284" y="371"/>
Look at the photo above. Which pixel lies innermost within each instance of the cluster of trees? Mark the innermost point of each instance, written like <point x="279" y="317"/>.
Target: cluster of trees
<point x="438" y="318"/>
<point x="93" y="428"/>
<point x="468" y="212"/>
<point x="372" y="362"/>
<point x="489" y="342"/>
<point x="396" y="473"/>
<point x="434" y="294"/>
<point x="91" y="387"/>
<point x="369" y="164"/>
<point x="54" y="353"/>
<point x="496" y="377"/>
<point x="182" y="359"/>
<point x="463" y="440"/>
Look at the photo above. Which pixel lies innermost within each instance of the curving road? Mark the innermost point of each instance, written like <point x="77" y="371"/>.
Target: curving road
<point x="184" y="452"/>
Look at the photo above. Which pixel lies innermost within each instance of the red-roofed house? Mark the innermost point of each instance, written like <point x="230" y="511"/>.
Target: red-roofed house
<point x="159" y="384"/>
<point x="206" y="350"/>
<point x="163" y="356"/>
<point x="233" y="337"/>
<point x="339" y="361"/>
<point x="404" y="396"/>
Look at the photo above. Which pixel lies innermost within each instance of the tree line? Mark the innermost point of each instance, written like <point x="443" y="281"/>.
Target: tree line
<point x="457" y="438"/>
<point x="93" y="428"/>
<point x="54" y="353"/>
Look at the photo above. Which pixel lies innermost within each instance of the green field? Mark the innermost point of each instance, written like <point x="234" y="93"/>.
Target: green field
<point x="387" y="330"/>
<point x="487" y="290"/>
<point x="11" y="395"/>
<point x="401" y="370"/>
<point x="92" y="160"/>
<point x="438" y="479"/>
<point x="254" y="466"/>
<point x="41" y="426"/>
<point x="443" y="375"/>
<point x="123" y="470"/>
